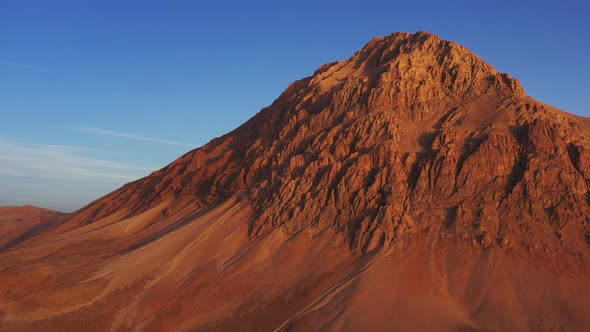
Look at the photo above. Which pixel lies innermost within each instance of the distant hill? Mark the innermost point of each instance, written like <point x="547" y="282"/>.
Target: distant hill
<point x="18" y="223"/>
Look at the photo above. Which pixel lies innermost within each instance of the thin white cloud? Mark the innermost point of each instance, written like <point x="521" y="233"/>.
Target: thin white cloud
<point x="57" y="162"/>
<point x="75" y="148"/>
<point x="113" y="133"/>
<point x="20" y="66"/>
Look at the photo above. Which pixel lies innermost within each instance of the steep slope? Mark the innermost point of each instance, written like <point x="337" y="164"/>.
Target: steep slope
<point x="410" y="186"/>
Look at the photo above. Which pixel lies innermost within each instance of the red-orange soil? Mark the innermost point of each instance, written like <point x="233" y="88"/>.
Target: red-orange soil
<point x="18" y="223"/>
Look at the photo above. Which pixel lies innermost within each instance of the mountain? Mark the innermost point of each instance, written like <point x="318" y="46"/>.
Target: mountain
<point x="410" y="187"/>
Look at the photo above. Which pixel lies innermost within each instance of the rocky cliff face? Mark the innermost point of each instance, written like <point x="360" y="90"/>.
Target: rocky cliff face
<point x="411" y="132"/>
<point x="412" y="185"/>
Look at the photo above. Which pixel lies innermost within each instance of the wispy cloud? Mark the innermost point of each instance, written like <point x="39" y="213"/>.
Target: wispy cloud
<point x="20" y="66"/>
<point x="113" y="133"/>
<point x="63" y="162"/>
<point x="73" y="148"/>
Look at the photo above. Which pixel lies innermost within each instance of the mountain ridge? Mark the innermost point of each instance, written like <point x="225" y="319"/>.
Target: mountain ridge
<point x="409" y="80"/>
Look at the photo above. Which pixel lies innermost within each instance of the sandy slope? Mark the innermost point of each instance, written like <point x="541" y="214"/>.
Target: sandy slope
<point x="206" y="275"/>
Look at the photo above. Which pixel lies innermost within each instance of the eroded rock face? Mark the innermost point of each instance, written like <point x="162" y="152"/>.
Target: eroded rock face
<point x="411" y="132"/>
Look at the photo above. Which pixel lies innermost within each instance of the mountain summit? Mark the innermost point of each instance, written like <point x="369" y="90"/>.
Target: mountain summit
<point x="411" y="186"/>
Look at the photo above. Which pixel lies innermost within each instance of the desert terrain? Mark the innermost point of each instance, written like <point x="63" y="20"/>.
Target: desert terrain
<point x="410" y="187"/>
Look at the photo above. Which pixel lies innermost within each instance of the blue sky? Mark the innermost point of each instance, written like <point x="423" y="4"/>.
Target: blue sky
<point x="94" y="94"/>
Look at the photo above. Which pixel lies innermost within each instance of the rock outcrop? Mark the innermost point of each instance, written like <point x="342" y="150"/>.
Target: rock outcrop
<point x="412" y="131"/>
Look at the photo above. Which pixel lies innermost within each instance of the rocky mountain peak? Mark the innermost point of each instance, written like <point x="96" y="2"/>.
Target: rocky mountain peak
<point x="410" y="132"/>
<point x="404" y="68"/>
